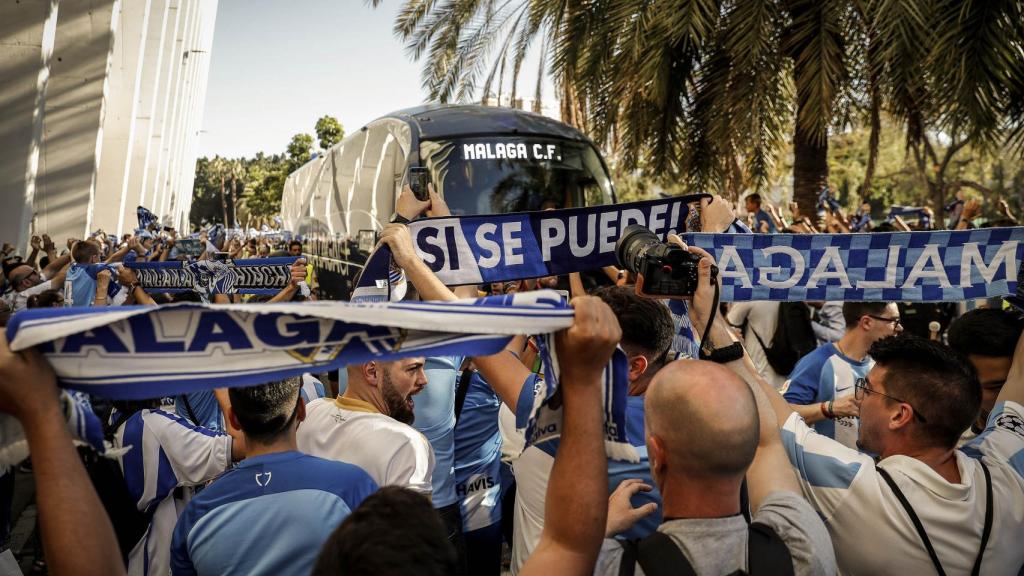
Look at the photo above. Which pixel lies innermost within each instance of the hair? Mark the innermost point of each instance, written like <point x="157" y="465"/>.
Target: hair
<point x="885" y="227"/>
<point x="394" y="532"/>
<point x="646" y="323"/>
<point x="266" y="411"/>
<point x="82" y="252"/>
<point x="755" y="198"/>
<point x="45" y="299"/>
<point x="854" y="311"/>
<point x="933" y="378"/>
<point x="295" y="243"/>
<point x="986" y="332"/>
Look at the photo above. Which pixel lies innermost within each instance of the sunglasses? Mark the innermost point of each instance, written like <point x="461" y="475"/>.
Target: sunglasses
<point x="861" y="389"/>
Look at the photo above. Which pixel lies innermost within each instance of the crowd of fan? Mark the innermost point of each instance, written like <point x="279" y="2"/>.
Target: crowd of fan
<point x="866" y="449"/>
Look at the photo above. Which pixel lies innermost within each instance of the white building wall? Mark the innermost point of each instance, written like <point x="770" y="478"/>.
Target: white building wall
<point x="101" y="110"/>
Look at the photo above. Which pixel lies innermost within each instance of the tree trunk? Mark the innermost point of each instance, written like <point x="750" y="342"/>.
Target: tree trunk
<point x="234" y="202"/>
<point x="223" y="201"/>
<point x="810" y="170"/>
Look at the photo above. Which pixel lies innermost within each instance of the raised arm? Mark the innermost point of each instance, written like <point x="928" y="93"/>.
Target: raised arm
<point x="71" y="516"/>
<point x="575" y="507"/>
<point x="1013" y="389"/>
<point x="771" y="470"/>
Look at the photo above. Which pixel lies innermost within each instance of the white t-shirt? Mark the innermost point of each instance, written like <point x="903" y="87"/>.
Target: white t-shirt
<point x="872" y="532"/>
<point x="21" y="298"/>
<point x="762" y="318"/>
<point x="350" y="430"/>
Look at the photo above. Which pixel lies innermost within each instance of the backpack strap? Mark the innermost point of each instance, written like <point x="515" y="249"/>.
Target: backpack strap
<point x="462" y="388"/>
<point x="987" y="531"/>
<point x="767" y="553"/>
<point x="913" y="518"/>
<point x="657" y="554"/>
<point x="191" y="413"/>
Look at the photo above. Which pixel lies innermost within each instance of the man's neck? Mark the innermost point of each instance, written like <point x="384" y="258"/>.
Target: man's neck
<point x="942" y="460"/>
<point x="706" y="498"/>
<point x="366" y="395"/>
<point x="286" y="443"/>
<point x="853" y="346"/>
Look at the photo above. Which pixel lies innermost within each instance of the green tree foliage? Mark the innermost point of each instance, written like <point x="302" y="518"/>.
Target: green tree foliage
<point x="329" y="131"/>
<point x="711" y="93"/>
<point x="300" y="150"/>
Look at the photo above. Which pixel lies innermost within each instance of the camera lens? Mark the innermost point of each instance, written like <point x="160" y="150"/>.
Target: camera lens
<point x="632" y="245"/>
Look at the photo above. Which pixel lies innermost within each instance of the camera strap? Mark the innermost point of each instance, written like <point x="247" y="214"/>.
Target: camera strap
<point x="705" y="341"/>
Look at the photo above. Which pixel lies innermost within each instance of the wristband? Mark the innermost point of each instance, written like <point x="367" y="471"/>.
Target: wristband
<point x="399" y="219"/>
<point x="824" y="410"/>
<point x="831" y="413"/>
<point x="724" y="355"/>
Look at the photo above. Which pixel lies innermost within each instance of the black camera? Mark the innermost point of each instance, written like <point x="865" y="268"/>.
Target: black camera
<point x="667" y="270"/>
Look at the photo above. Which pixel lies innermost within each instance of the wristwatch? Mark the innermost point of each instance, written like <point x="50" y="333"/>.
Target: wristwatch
<point x="397" y="218"/>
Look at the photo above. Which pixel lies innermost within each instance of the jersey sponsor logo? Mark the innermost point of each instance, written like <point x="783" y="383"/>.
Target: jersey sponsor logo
<point x="475" y="483"/>
<point x="1011" y="422"/>
<point x="263" y="478"/>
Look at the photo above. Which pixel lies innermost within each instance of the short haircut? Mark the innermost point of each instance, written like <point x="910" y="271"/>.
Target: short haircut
<point x="294" y="243"/>
<point x="265" y="411"/>
<point x="854" y="311"/>
<point x="646" y="323"/>
<point x="986" y="332"/>
<point x="933" y="378"/>
<point x="82" y="252"/>
<point x="755" y="198"/>
<point x="394" y="532"/>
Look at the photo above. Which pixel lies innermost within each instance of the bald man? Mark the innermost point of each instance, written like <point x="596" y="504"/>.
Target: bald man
<point x="704" y="434"/>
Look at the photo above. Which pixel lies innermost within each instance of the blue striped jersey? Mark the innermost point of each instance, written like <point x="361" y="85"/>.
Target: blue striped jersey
<point x="826" y="374"/>
<point x="165" y="452"/>
<point x="312" y="388"/>
<point x="269" y="515"/>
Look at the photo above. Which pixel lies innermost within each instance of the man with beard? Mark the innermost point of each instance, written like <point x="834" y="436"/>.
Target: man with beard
<point x="369" y="425"/>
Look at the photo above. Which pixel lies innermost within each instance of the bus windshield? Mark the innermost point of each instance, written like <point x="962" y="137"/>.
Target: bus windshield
<point x="502" y="174"/>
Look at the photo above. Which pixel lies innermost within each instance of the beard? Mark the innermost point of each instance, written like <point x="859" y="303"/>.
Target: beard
<point x="399" y="407"/>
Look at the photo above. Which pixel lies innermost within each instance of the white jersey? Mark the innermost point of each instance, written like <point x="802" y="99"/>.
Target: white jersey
<point x="761" y="319"/>
<point x="350" y="430"/>
<point x="166" y="452"/>
<point x="872" y="532"/>
<point x="21" y="298"/>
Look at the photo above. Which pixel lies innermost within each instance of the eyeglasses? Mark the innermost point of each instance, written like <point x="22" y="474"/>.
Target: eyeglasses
<point x="861" y="388"/>
<point x="895" y="321"/>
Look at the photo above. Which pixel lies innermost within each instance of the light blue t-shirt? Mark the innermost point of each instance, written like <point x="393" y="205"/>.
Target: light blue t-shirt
<point x="270" y="515"/>
<point x="435" y="419"/>
<point x="204" y="406"/>
<point x="478" y="456"/>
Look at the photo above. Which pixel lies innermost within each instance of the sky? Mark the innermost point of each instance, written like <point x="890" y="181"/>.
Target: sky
<point x="278" y="65"/>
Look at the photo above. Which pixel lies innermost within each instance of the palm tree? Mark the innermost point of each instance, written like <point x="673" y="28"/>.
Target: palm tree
<point x="709" y="91"/>
<point x="218" y="171"/>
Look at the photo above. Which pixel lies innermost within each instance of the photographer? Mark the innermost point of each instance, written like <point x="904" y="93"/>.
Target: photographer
<point x="688" y="402"/>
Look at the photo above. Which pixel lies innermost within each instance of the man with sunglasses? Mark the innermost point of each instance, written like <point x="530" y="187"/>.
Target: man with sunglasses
<point x="272" y="513"/>
<point x="27" y="281"/>
<point x="821" y="386"/>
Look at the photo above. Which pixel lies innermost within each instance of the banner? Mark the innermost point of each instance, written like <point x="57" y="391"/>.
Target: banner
<point x="146" y="218"/>
<point x="498" y="247"/>
<point x="250" y="276"/>
<point x="900" y="266"/>
<point x="935" y="266"/>
<point x="138" y="352"/>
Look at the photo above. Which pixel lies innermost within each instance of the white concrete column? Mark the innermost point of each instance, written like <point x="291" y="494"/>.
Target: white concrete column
<point x="73" y="115"/>
<point x="27" y="31"/>
<point x="188" y="166"/>
<point x="152" y="154"/>
<point x="169" y="134"/>
<point x="124" y="84"/>
<point x="160" y="13"/>
<point x="183" y="113"/>
<point x="163" y="131"/>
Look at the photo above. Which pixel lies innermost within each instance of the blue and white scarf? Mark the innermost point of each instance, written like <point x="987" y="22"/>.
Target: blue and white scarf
<point x="500" y="247"/>
<point x="137" y="352"/>
<point x="206" y="277"/>
<point x="146" y="218"/>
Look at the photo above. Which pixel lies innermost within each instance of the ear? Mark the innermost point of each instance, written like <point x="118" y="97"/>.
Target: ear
<point x="300" y="410"/>
<point x="637" y="367"/>
<point x="232" y="419"/>
<point x="656" y="453"/>
<point x="865" y="322"/>
<point x="370" y="373"/>
<point x="901" y="417"/>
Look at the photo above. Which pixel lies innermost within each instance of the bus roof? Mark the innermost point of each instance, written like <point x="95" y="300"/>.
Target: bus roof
<point x="451" y="120"/>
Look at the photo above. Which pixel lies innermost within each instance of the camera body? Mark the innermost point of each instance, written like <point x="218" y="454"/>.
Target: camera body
<point x="667" y="270"/>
